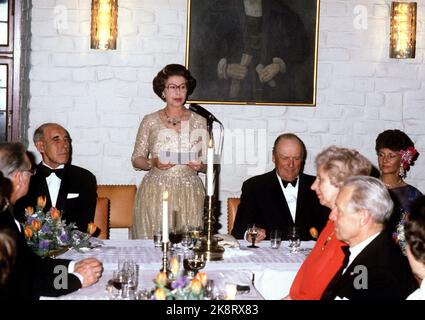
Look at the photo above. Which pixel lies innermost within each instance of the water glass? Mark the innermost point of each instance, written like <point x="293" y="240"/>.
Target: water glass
<point x="209" y="289"/>
<point x="275" y="239"/>
<point x="294" y="239"/>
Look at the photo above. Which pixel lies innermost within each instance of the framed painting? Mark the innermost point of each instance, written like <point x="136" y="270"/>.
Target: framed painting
<point x="259" y="52"/>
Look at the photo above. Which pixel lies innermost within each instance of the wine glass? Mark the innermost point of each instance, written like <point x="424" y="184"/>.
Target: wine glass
<point x="253" y="231"/>
<point x="194" y="262"/>
<point x="294" y="239"/>
<point x="119" y="278"/>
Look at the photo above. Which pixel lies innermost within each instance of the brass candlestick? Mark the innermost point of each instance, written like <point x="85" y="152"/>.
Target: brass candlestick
<point x="209" y="245"/>
<point x="165" y="259"/>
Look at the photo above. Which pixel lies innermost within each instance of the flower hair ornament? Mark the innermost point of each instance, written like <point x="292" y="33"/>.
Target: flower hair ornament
<point x="408" y="156"/>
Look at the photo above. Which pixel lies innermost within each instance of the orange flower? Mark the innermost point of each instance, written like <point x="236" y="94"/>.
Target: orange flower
<point x="91" y="228"/>
<point x="28" y="231"/>
<point x="41" y="202"/>
<point x="55" y="213"/>
<point x="314" y="233"/>
<point x="36" y="225"/>
<point x="29" y="211"/>
<point x="195" y="286"/>
<point x="202" y="277"/>
<point x="174" y="266"/>
<point x="161" y="278"/>
<point x="160" y="294"/>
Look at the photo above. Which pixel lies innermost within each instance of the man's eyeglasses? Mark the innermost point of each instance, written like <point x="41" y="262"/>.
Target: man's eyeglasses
<point x="174" y="87"/>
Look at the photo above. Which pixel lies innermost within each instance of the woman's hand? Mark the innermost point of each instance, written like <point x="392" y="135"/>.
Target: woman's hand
<point x="261" y="235"/>
<point x="160" y="165"/>
<point x="196" y="165"/>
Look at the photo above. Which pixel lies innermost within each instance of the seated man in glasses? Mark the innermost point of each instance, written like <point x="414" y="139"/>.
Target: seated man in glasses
<point x="282" y="197"/>
<point x="69" y="188"/>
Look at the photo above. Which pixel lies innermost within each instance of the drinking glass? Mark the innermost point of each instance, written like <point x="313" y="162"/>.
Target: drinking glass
<point x="275" y="239"/>
<point x="209" y="289"/>
<point x="294" y="239"/>
<point x="119" y="279"/>
<point x="157" y="235"/>
<point x="253" y="231"/>
<point x="194" y="262"/>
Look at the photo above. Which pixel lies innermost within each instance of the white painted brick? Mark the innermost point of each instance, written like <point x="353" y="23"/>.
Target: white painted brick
<point x="148" y="30"/>
<point x="104" y="73"/>
<point x="118" y="149"/>
<point x="414" y="113"/>
<point x="126" y="74"/>
<point x="127" y="29"/>
<point x="69" y="4"/>
<point x="39" y="58"/>
<point x="38" y="88"/>
<point x="119" y="120"/>
<point x="364" y="85"/>
<point x="43" y="3"/>
<point x="83" y="74"/>
<point x="343" y="84"/>
<point x="334" y="54"/>
<point x="318" y="127"/>
<point x="397" y="71"/>
<point x="297" y="126"/>
<point x="414" y="127"/>
<point x="159" y="46"/>
<point x="42" y="14"/>
<point x="375" y="99"/>
<point x="84" y="4"/>
<point x="56" y="44"/>
<point x="173" y="30"/>
<point x="45" y="74"/>
<point x="143" y="16"/>
<point x="87" y="148"/>
<point x="132" y="60"/>
<point x="381" y="11"/>
<point x="42" y="28"/>
<point x="129" y="44"/>
<point x="46" y="102"/>
<point x="393" y="107"/>
<point x="387" y="85"/>
<point x="89" y="118"/>
<point x="328" y="112"/>
<point x="371" y="113"/>
<point x="82" y="44"/>
<point x="126" y="89"/>
<point x="68" y="89"/>
<point x="166" y="16"/>
<point x="353" y="113"/>
<point x="348" y="98"/>
<point x="354" y="69"/>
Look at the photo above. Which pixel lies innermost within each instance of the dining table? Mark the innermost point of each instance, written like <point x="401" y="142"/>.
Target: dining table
<point x="268" y="272"/>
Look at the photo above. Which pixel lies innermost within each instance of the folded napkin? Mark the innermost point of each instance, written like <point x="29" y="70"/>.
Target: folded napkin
<point x="236" y="252"/>
<point x="227" y="241"/>
<point x="274" y="284"/>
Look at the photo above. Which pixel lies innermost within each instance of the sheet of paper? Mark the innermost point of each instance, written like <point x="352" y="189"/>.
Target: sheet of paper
<point x="178" y="157"/>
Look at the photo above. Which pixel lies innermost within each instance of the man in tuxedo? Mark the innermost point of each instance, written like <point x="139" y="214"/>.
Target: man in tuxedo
<point x="374" y="267"/>
<point x="32" y="276"/>
<point x="282" y="197"/>
<point x="69" y="188"/>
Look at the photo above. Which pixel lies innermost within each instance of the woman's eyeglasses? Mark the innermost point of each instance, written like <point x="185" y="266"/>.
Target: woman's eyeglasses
<point x="174" y="87"/>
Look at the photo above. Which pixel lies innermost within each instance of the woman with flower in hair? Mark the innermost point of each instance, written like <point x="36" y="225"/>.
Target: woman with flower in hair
<point x="396" y="154"/>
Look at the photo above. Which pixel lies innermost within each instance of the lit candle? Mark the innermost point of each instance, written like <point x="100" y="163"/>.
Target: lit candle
<point x="165" y="217"/>
<point x="210" y="168"/>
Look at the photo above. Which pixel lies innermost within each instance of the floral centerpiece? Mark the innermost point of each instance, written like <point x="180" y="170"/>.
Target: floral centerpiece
<point x="47" y="233"/>
<point x="179" y="287"/>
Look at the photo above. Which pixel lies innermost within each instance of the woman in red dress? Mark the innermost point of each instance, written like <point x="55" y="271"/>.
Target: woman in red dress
<point x="333" y="166"/>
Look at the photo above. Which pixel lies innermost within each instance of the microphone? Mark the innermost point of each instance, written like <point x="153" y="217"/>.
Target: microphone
<point x="203" y="112"/>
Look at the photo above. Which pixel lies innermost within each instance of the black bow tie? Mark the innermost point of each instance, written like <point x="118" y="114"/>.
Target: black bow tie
<point x="46" y="171"/>
<point x="293" y="182"/>
<point x="347" y="252"/>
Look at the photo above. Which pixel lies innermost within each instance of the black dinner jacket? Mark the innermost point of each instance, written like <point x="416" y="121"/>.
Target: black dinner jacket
<point x="388" y="274"/>
<point x="263" y="203"/>
<point x="31" y="276"/>
<point x="76" y="180"/>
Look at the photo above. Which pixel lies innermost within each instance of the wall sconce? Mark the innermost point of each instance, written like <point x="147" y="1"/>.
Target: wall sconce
<point x="104" y="24"/>
<point x="403" y="30"/>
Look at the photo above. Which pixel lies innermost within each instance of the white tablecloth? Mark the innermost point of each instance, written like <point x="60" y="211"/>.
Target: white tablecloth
<point x="271" y="269"/>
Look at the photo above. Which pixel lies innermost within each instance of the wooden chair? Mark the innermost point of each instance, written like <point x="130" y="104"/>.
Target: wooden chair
<point x="232" y="209"/>
<point x="121" y="199"/>
<point x="101" y="217"/>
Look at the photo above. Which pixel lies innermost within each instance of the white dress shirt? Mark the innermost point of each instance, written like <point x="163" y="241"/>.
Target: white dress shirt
<point x="54" y="184"/>
<point x="418" y="294"/>
<point x="291" y="195"/>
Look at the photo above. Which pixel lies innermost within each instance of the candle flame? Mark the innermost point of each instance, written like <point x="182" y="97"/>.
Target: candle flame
<point x="211" y="143"/>
<point x="165" y="196"/>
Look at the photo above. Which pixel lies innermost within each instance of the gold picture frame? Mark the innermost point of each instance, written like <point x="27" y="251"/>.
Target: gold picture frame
<point x="254" y="52"/>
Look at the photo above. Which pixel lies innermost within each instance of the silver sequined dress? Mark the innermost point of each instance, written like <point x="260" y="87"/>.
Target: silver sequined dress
<point x="185" y="188"/>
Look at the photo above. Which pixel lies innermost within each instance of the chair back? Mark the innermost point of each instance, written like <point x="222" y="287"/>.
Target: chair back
<point x="121" y="199"/>
<point x="232" y="209"/>
<point x="101" y="217"/>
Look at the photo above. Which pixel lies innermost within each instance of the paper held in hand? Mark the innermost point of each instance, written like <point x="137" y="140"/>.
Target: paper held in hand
<point x="174" y="157"/>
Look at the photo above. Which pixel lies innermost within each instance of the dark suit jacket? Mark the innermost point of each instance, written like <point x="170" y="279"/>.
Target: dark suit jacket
<point x="31" y="276"/>
<point x="76" y="180"/>
<point x="263" y="203"/>
<point x="388" y="274"/>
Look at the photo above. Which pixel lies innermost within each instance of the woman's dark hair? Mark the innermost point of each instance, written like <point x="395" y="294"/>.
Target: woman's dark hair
<point x="415" y="229"/>
<point x="7" y="254"/>
<point x="394" y="140"/>
<point x="172" y="70"/>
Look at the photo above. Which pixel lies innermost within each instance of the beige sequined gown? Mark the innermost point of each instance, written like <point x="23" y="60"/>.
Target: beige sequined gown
<point x="185" y="188"/>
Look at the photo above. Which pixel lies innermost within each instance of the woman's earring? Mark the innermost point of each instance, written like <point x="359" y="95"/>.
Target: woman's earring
<point x="163" y="95"/>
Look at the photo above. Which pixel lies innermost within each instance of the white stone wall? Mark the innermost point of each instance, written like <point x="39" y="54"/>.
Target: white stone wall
<point x="101" y="97"/>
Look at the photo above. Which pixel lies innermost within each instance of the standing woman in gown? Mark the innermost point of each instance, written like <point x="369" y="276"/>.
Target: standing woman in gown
<point x="176" y="129"/>
<point x="396" y="154"/>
